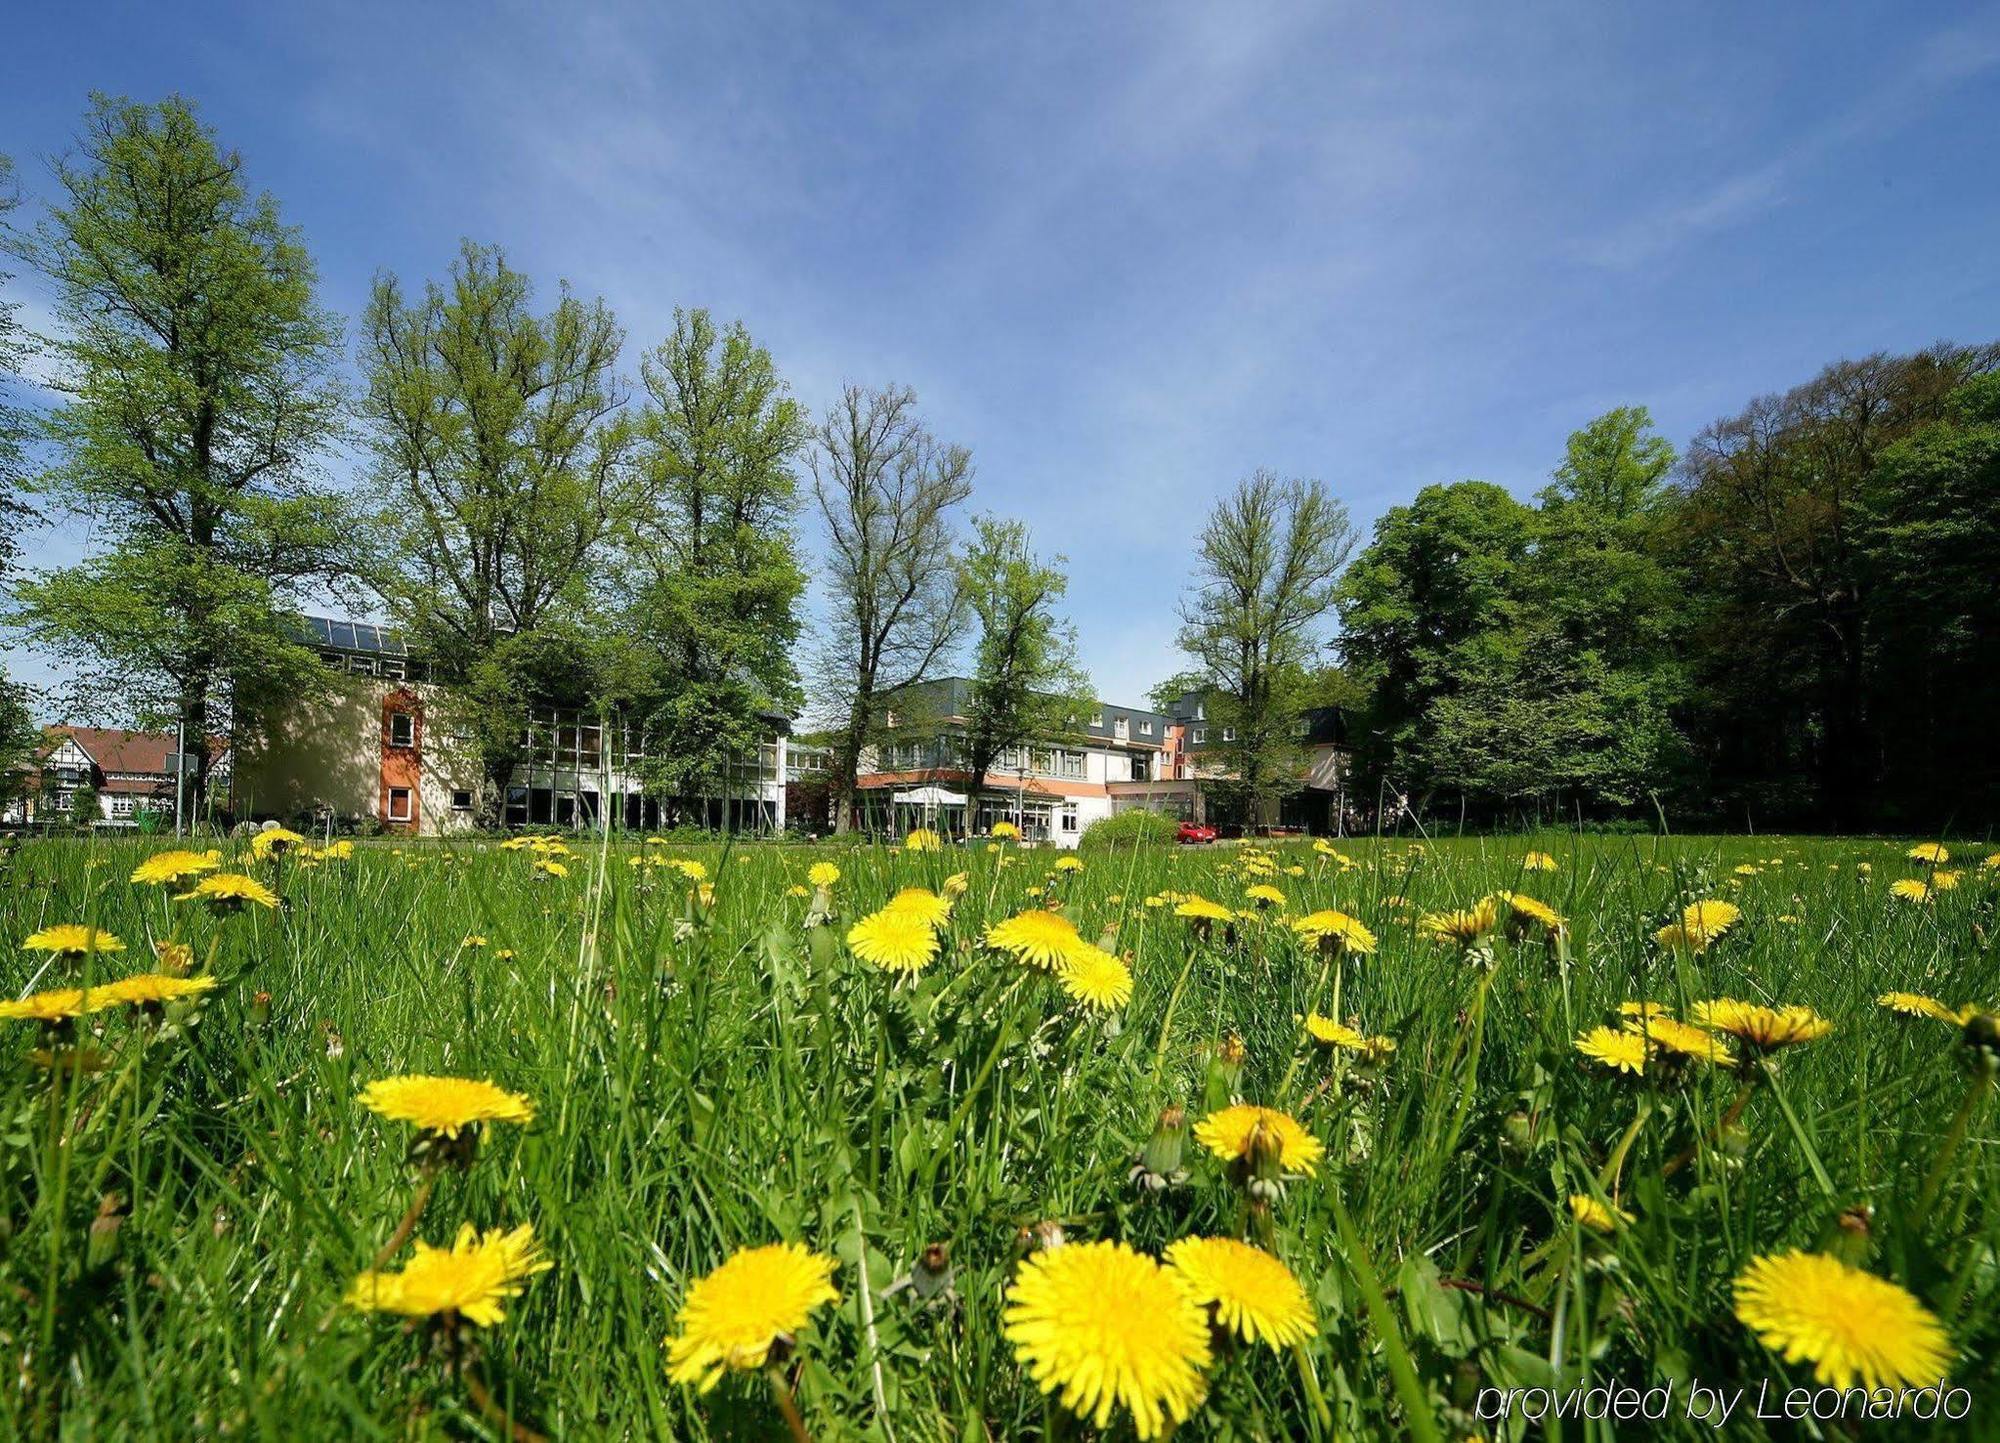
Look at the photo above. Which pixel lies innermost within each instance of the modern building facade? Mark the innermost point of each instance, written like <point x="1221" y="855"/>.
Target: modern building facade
<point x="1116" y="756"/>
<point x="1116" y="759"/>
<point x="380" y="747"/>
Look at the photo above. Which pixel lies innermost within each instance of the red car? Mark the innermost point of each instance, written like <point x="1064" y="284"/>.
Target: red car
<point x="1194" y="832"/>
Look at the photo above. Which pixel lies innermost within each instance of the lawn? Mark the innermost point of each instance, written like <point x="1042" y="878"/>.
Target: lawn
<point x="188" y="1191"/>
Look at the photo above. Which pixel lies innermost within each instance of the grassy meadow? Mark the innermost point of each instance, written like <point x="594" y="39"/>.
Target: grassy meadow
<point x="188" y="1191"/>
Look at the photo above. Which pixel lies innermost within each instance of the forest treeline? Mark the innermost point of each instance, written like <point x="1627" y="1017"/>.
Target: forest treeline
<point x="1797" y="622"/>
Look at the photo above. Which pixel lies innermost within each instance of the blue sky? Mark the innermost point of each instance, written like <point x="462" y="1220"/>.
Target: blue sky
<point x="1128" y="253"/>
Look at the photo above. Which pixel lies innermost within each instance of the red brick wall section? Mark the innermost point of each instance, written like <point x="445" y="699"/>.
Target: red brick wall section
<point x="401" y="766"/>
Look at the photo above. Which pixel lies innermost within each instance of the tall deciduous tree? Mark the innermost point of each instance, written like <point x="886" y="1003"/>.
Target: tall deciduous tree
<point x="499" y="446"/>
<point x="714" y="603"/>
<point x="197" y="368"/>
<point x="1269" y="559"/>
<point x="19" y="739"/>
<point x="1773" y="525"/>
<point x="1026" y="682"/>
<point x="887" y="491"/>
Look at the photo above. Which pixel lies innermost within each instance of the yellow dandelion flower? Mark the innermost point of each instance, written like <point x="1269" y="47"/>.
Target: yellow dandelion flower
<point x="1069" y="864"/>
<point x="1538" y="862"/>
<point x="152" y="989"/>
<point x="1619" y="1051"/>
<point x="923" y="839"/>
<point x="1853" y="1327"/>
<point x="734" y="1317"/>
<point x="471" y="1278"/>
<point x="1200" y="909"/>
<point x="957" y="884"/>
<point x="1645" y="1009"/>
<point x="1233" y="1132"/>
<point x="72" y="939"/>
<point x="796" y="890"/>
<point x="175" y="867"/>
<point x="1526" y="909"/>
<point x="689" y="868"/>
<point x="1678" y="1036"/>
<point x="1334" y="1034"/>
<point x="822" y="874"/>
<point x="1915" y="1004"/>
<point x="548" y="867"/>
<point x="1004" y="831"/>
<point x="1106" y="1328"/>
<point x="1038" y="938"/>
<point x="472" y="939"/>
<point x="56" y="1005"/>
<point x="1597" y="1216"/>
<point x="1338" y="929"/>
<point x="274" y="842"/>
<point x="175" y="958"/>
<point x="1934" y="853"/>
<point x="1910" y="889"/>
<point x="1701" y="925"/>
<point x="445" y="1105"/>
<point x="923" y="904"/>
<point x="229" y="892"/>
<point x="1761" y="1026"/>
<point x="1945" y="880"/>
<point x="894" y="940"/>
<point x="1096" y="978"/>
<point x="1463" y="927"/>
<point x="1991" y="864"/>
<point x="1254" y="1295"/>
<point x="1264" y="895"/>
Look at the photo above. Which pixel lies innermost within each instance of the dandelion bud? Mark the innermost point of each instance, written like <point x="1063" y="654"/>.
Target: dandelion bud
<point x="933" y="1274"/>
<point x="1848" y="1234"/>
<point x="260" y="1009"/>
<point x="1982" y="1042"/>
<point x="102" y="1248"/>
<point x="1158" y="1165"/>
<point x="1225" y="1072"/>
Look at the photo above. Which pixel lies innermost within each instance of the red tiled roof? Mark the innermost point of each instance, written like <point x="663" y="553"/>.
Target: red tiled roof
<point x="115" y="749"/>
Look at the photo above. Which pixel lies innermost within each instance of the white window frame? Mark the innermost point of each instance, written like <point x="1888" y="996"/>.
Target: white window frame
<point x="458" y="806"/>
<point x="409" y="797"/>
<point x="1229" y="734"/>
<point x="407" y="723"/>
<point x="1069" y="819"/>
<point x="1200" y="737"/>
<point x="1145" y="728"/>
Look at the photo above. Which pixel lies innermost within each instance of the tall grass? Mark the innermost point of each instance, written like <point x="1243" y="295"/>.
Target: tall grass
<point x="179" y="1225"/>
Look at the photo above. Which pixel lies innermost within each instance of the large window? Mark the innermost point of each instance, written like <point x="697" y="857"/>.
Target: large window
<point x="399" y="804"/>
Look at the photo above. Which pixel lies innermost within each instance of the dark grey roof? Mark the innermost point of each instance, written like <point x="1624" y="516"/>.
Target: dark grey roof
<point x="362" y="637"/>
<point x="951" y="696"/>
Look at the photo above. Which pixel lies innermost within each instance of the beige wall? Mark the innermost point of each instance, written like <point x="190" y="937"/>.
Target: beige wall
<point x="326" y="750"/>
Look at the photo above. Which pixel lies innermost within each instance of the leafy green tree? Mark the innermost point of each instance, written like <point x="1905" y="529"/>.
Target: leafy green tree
<point x="20" y="740"/>
<point x="197" y="371"/>
<point x="1168" y="690"/>
<point x="15" y="424"/>
<point x="1772" y="535"/>
<point x="1269" y="559"/>
<point x="714" y="609"/>
<point x="1933" y="555"/>
<point x="886" y="490"/>
<point x="1432" y="600"/>
<point x="499" y="472"/>
<point x="86" y="808"/>
<point x="1026" y="682"/>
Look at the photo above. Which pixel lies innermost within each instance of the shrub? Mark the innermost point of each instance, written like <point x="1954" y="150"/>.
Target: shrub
<point x="1129" y="828"/>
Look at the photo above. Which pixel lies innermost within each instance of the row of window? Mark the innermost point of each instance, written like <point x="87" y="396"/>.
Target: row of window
<point x="393" y="668"/>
